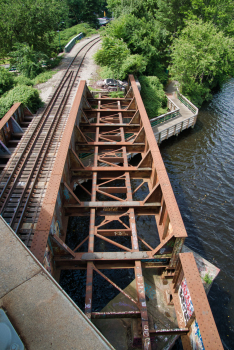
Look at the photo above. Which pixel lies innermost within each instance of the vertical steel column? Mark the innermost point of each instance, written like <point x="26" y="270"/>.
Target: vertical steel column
<point x="140" y="286"/>
<point x="89" y="277"/>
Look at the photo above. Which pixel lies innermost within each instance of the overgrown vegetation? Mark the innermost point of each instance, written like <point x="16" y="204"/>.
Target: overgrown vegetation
<point x="192" y="40"/>
<point x="69" y="33"/>
<point x="21" y="93"/>
<point x="202" y="59"/>
<point x="18" y="88"/>
<point x="153" y="96"/>
<point x="208" y="279"/>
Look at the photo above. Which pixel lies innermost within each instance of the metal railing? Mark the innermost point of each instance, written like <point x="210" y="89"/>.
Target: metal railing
<point x="174" y="113"/>
<point x="187" y="103"/>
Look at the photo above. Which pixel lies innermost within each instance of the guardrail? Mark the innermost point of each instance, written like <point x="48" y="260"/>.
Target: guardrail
<point x="72" y="42"/>
<point x="187" y="103"/>
<point x="174" y="113"/>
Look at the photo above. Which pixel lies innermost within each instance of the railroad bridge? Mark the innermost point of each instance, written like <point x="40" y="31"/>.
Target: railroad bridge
<point x="76" y="159"/>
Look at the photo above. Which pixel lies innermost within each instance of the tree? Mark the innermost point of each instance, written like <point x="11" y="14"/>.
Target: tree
<point x="32" y="21"/>
<point x="6" y="80"/>
<point x="112" y="54"/>
<point x="219" y="12"/>
<point x="202" y="58"/>
<point x="27" y="61"/>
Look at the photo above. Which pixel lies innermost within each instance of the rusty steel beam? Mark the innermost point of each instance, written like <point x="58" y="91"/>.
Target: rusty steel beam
<point x="202" y="312"/>
<point x="107" y="139"/>
<point x="179" y="331"/>
<point x="121" y="314"/>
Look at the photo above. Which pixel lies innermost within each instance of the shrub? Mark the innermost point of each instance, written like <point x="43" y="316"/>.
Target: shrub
<point x="67" y="34"/>
<point x="112" y="54"/>
<point x="6" y="80"/>
<point x="43" y="77"/>
<point x="207" y="278"/>
<point x="22" y="80"/>
<point x="106" y="72"/>
<point x="114" y="94"/>
<point x="153" y="96"/>
<point x="132" y="65"/>
<point x="21" y="93"/>
<point x="27" y="61"/>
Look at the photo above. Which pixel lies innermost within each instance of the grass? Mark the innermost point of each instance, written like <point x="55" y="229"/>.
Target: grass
<point x="207" y="278"/>
<point x="43" y="77"/>
<point x="67" y="34"/>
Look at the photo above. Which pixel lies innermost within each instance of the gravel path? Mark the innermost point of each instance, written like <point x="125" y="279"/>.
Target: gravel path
<point x="88" y="71"/>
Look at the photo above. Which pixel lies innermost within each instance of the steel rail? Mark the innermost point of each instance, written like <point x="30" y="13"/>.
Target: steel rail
<point x="45" y="152"/>
<point x="33" y="139"/>
<point x="51" y="132"/>
<point x="49" y="106"/>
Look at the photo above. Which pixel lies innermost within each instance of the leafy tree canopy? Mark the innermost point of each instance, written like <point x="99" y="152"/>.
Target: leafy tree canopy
<point x="32" y="21"/>
<point x="27" y="61"/>
<point x="202" y="58"/>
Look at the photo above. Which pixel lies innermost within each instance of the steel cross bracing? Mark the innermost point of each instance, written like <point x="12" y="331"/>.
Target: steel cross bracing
<point x="110" y="131"/>
<point x="114" y="134"/>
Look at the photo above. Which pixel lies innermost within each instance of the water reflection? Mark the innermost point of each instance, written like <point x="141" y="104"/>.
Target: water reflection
<point x="200" y="167"/>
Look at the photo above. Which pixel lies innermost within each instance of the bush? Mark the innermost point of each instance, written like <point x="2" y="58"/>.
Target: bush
<point x="201" y="59"/>
<point x="132" y="65"/>
<point x="112" y="54"/>
<point x="106" y="72"/>
<point x="43" y="77"/>
<point x="21" y="93"/>
<point x="153" y="96"/>
<point x="67" y="34"/>
<point x="22" y="80"/>
<point x="6" y="80"/>
<point x="27" y="61"/>
<point x="114" y="94"/>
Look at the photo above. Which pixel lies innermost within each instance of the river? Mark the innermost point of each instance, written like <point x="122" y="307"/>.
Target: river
<point x="200" y="165"/>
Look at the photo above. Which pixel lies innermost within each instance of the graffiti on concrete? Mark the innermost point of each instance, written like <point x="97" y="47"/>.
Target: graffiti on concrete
<point x="149" y="291"/>
<point x="195" y="337"/>
<point x="185" y="300"/>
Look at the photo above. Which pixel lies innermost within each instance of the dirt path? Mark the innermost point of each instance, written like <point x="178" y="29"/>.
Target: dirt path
<point x="87" y="72"/>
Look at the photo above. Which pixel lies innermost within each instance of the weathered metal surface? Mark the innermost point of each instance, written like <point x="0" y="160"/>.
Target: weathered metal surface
<point x="192" y="307"/>
<point x="103" y="130"/>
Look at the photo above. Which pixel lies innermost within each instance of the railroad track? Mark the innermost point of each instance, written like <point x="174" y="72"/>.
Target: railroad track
<point x="24" y="180"/>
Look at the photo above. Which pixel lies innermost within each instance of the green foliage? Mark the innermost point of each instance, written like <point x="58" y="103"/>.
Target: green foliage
<point x="208" y="279"/>
<point x="132" y="65"/>
<point x="85" y="11"/>
<point x="27" y="61"/>
<point x="115" y="94"/>
<point x="112" y="54"/>
<point x="202" y="58"/>
<point x="6" y="80"/>
<point x="106" y="72"/>
<point x="43" y="77"/>
<point x="29" y="21"/>
<point x="219" y="12"/>
<point x="22" y="80"/>
<point x="153" y="96"/>
<point x="67" y="34"/>
<point x="53" y="62"/>
<point x="21" y="93"/>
